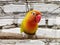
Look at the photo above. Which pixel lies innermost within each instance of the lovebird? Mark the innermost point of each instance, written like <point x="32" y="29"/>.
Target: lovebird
<point x="29" y="24"/>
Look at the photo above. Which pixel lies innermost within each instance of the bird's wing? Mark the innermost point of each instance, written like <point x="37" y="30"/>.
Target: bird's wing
<point x="22" y="29"/>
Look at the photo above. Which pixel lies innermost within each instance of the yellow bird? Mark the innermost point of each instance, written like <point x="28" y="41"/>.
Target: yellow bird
<point x="29" y="24"/>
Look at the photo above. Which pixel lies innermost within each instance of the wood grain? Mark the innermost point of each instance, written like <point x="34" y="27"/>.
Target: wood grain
<point x="7" y="35"/>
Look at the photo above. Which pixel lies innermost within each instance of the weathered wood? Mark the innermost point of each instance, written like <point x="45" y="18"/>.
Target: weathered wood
<point x="5" y="35"/>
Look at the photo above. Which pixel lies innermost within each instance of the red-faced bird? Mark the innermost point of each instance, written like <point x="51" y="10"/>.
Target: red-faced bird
<point x="29" y="24"/>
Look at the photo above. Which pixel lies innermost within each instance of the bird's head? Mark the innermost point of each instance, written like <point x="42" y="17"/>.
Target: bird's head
<point x="34" y="15"/>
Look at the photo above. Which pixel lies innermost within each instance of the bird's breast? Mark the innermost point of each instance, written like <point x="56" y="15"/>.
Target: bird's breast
<point x="30" y="27"/>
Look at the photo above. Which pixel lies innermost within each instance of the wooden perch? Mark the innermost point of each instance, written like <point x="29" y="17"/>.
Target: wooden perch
<point x="5" y="35"/>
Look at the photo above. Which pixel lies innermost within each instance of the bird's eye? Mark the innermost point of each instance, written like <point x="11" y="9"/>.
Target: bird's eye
<point x="33" y="13"/>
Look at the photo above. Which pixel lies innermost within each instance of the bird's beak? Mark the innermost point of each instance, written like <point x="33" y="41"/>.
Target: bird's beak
<point x="38" y="18"/>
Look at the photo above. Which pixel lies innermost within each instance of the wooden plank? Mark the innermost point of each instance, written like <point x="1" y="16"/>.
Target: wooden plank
<point x="7" y="35"/>
<point x="4" y="35"/>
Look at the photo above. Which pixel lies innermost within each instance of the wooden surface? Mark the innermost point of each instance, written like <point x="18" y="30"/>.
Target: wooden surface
<point x="5" y="35"/>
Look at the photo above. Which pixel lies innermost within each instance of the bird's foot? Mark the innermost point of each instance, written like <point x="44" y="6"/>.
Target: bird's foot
<point x="35" y="37"/>
<point x="29" y="36"/>
<point x="24" y="35"/>
<point x="32" y="37"/>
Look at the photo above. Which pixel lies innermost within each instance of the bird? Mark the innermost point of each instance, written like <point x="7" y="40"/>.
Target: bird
<point x="30" y="22"/>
